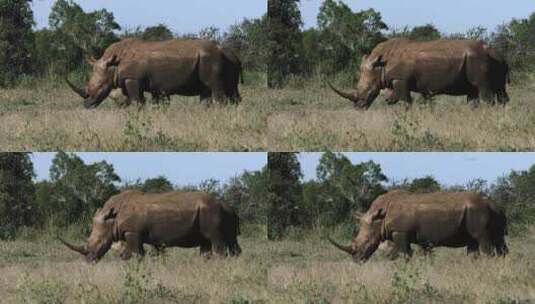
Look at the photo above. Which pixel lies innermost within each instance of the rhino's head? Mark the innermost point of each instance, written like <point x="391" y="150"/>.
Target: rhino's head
<point x="101" y="238"/>
<point x="369" y="84"/>
<point x="101" y="82"/>
<point x="368" y="237"/>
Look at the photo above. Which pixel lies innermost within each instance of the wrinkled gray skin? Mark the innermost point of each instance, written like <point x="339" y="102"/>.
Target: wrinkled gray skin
<point x="232" y="65"/>
<point x="182" y="67"/>
<point x="444" y="66"/>
<point x="440" y="219"/>
<point x="172" y="219"/>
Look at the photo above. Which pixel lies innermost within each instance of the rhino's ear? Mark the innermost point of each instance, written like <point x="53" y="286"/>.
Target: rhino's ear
<point x="113" y="61"/>
<point x="378" y="62"/>
<point x="379" y="214"/>
<point x="112" y="214"/>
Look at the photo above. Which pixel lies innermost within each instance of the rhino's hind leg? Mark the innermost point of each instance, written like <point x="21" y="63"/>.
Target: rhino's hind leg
<point x="219" y="247"/>
<point x="503" y="97"/>
<point x="472" y="248"/>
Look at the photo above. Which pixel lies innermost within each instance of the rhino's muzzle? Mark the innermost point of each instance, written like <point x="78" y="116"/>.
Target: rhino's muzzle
<point x="82" y="249"/>
<point x="91" y="103"/>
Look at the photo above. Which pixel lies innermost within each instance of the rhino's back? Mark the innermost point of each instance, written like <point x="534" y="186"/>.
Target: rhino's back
<point x="402" y="48"/>
<point x="174" y="199"/>
<point x="134" y="48"/>
<point x="161" y="212"/>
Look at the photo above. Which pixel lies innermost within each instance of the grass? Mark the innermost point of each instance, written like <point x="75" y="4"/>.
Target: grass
<point x="313" y="271"/>
<point x="47" y="116"/>
<point x="306" y="116"/>
<point x="43" y="271"/>
<point x="308" y="270"/>
<point x="318" y="120"/>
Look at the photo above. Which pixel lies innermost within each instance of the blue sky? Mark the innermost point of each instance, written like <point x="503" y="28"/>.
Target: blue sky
<point x="181" y="16"/>
<point x="447" y="168"/>
<point x="179" y="168"/>
<point x="449" y="16"/>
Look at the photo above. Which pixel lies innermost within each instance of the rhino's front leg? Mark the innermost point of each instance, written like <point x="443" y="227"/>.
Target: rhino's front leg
<point x="135" y="92"/>
<point x="402" y="243"/>
<point x="134" y="244"/>
<point x="402" y="91"/>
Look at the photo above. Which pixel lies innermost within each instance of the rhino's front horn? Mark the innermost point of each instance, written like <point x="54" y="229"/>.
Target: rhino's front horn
<point x="347" y="249"/>
<point x="80" y="249"/>
<point x="351" y="96"/>
<point x="76" y="89"/>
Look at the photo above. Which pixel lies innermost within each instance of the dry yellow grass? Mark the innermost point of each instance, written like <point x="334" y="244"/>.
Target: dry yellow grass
<point x="320" y="120"/>
<point x="314" y="271"/>
<point x="305" y="271"/>
<point x="50" y="117"/>
<point x="45" y="272"/>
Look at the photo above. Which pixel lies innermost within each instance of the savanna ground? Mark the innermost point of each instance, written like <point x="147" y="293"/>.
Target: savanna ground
<point x="305" y="116"/>
<point x="46" y="116"/>
<point x="44" y="271"/>
<point x="313" y="271"/>
<point x="306" y="271"/>
<point x="319" y="119"/>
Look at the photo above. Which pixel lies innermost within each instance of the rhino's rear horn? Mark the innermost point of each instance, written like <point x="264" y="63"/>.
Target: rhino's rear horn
<point x="80" y="249"/>
<point x="76" y="89"/>
<point x="347" y="249"/>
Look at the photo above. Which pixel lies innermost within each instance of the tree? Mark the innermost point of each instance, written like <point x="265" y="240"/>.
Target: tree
<point x="16" y="40"/>
<point x="248" y="193"/>
<point x="17" y="193"/>
<point x="478" y="185"/>
<point x="285" y="192"/>
<point x="424" y="33"/>
<point x="347" y="35"/>
<point x="426" y="184"/>
<point x="79" y="189"/>
<point x="249" y="39"/>
<point x="211" y="186"/>
<point x="76" y="35"/>
<point x="158" y="184"/>
<point x="516" y="42"/>
<point x="159" y="32"/>
<point x="285" y="41"/>
<point x="515" y="193"/>
<point x="345" y="187"/>
<point x="210" y="33"/>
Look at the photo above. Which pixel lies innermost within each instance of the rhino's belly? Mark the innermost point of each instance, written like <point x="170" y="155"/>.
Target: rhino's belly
<point x="448" y="236"/>
<point x="187" y="85"/>
<point x="188" y="239"/>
